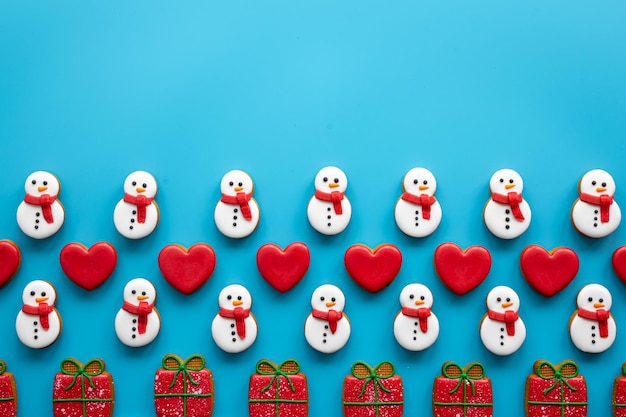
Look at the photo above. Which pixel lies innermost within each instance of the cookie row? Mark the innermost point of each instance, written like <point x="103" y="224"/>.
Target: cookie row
<point x="186" y="388"/>
<point x="417" y="212"/>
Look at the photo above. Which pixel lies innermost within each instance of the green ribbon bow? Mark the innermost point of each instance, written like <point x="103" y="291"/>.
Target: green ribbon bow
<point x="277" y="372"/>
<point x="372" y="377"/>
<point x="560" y="380"/>
<point x="82" y="370"/>
<point x="464" y="377"/>
<point x="183" y="367"/>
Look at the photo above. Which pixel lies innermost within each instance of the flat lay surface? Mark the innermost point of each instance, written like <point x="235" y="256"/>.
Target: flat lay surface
<point x="187" y="92"/>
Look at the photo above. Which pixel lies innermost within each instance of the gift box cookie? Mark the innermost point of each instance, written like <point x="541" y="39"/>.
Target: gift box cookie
<point x="278" y="390"/>
<point x="373" y="391"/>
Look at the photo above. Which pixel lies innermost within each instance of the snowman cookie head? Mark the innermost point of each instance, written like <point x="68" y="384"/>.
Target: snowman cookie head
<point x="139" y="290"/>
<point x="236" y="181"/>
<point x="594" y="297"/>
<point x="419" y="181"/>
<point x="42" y="182"/>
<point x="140" y="183"/>
<point x="597" y="182"/>
<point x="330" y="179"/>
<point x="502" y="298"/>
<point x="416" y="296"/>
<point x="328" y="297"/>
<point x="37" y="292"/>
<point x="505" y="181"/>
<point x="233" y="296"/>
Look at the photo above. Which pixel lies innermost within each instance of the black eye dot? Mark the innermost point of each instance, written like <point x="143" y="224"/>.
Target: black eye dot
<point x="508" y="300"/>
<point x="422" y="298"/>
<point x="241" y="184"/>
<point x="133" y="292"/>
<point x="45" y="183"/>
<point x="43" y="293"/>
<point x="593" y="182"/>
<point x="332" y="299"/>
<point x="590" y="299"/>
<point x="143" y="293"/>
<point x="322" y="298"/>
<point x="144" y="185"/>
<point x="603" y="184"/>
<point x="425" y="182"/>
<point x="501" y="179"/>
<point x="511" y="181"/>
<point x="415" y="181"/>
<point x="231" y="183"/>
<point x="239" y="298"/>
<point x="32" y="293"/>
<point x="411" y="296"/>
<point x="336" y="180"/>
<point x="499" y="299"/>
<point x="134" y="183"/>
<point x="34" y="182"/>
<point x="325" y="179"/>
<point x="601" y="300"/>
<point x="229" y="297"/>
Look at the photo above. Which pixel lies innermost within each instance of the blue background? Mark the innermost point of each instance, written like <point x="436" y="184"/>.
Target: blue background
<point x="92" y="91"/>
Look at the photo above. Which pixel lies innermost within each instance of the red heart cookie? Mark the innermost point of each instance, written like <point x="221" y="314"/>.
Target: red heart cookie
<point x="619" y="262"/>
<point x="283" y="269"/>
<point x="88" y="268"/>
<point x="462" y="270"/>
<point x="186" y="270"/>
<point x="548" y="272"/>
<point x="373" y="269"/>
<point x="10" y="259"/>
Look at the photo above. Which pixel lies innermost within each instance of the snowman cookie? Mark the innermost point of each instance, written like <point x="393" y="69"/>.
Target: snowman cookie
<point x="418" y="212"/>
<point x="38" y="324"/>
<point x="507" y="215"/>
<point x="327" y="328"/>
<point x="415" y="326"/>
<point x="592" y="327"/>
<point x="137" y="214"/>
<point x="502" y="331"/>
<point x="138" y="322"/>
<point x="41" y="214"/>
<point x="237" y="213"/>
<point x="329" y="210"/>
<point x="595" y="213"/>
<point x="234" y="328"/>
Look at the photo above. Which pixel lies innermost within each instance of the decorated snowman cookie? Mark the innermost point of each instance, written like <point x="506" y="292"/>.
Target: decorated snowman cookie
<point x="507" y="215"/>
<point x="41" y="214"/>
<point x="592" y="327"/>
<point x="137" y="214"/>
<point x="38" y="324"/>
<point x="415" y="326"/>
<point x="237" y="213"/>
<point x="234" y="328"/>
<point x="418" y="212"/>
<point x="138" y="323"/>
<point x="327" y="328"/>
<point x="595" y="213"/>
<point x="329" y="210"/>
<point x="502" y="330"/>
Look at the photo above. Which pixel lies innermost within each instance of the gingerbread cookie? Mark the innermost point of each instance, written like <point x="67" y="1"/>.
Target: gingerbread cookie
<point x="555" y="391"/>
<point x="237" y="213"/>
<point x="138" y="323"/>
<point x="595" y="213"/>
<point x="41" y="214"/>
<point x="329" y="210"/>
<point x="418" y="212"/>
<point x="592" y="327"/>
<point x="234" y="328"/>
<point x="327" y="328"/>
<point x="507" y="215"/>
<point x="502" y="331"/>
<point x="38" y="324"/>
<point x="137" y="214"/>
<point x="416" y="327"/>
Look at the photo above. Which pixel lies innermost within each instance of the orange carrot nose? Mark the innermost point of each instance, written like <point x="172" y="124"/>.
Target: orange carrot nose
<point x="237" y="302"/>
<point x="601" y="189"/>
<point x="42" y="188"/>
<point x="598" y="305"/>
<point x="509" y="186"/>
<point x="140" y="189"/>
<point x="330" y="304"/>
<point x="142" y="297"/>
<point x="423" y="187"/>
<point x="238" y="189"/>
<point x="41" y="299"/>
<point x="333" y="185"/>
<point x="505" y="305"/>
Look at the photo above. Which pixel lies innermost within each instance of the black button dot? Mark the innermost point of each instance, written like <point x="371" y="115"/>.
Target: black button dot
<point x="501" y="343"/>
<point x="234" y="217"/>
<point x="593" y="335"/>
<point x="36" y="330"/>
<point x="37" y="221"/>
<point x="36" y="227"/>
<point x="134" y="211"/>
<point x="417" y="218"/>
<point x="507" y="227"/>
<point x="595" y="218"/>
<point x="326" y="327"/>
<point x="507" y="211"/>
<point x="328" y="209"/>
<point x="329" y="217"/>
<point x="234" y="340"/>
<point x="131" y="227"/>
<point x="325" y="334"/>
<point x="416" y="323"/>
<point x="593" y="327"/>
<point x="595" y="211"/>
<point x="232" y="333"/>
<point x="414" y="331"/>
<point x="417" y="224"/>
<point x="414" y="338"/>
<point x="132" y="220"/>
<point x="236" y="210"/>
<point x="134" y="336"/>
<point x="38" y="214"/>
<point x="234" y="224"/>
<point x="34" y="323"/>
<point x="328" y="224"/>
<point x="508" y="219"/>
<point x="594" y="225"/>
<point x="134" y="320"/>
<point x="417" y="212"/>
<point x="501" y="336"/>
<point x="36" y="337"/>
<point x="593" y="342"/>
<point x="134" y="329"/>
<point x="232" y="325"/>
<point x="501" y="329"/>
<point x="324" y="341"/>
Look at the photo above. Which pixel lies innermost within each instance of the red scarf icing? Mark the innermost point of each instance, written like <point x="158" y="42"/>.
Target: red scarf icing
<point x="42" y="310"/>
<point x="142" y="310"/>
<point x="601" y="316"/>
<point x="242" y="200"/>
<point x="423" y="200"/>
<point x="45" y="201"/>
<point x="421" y="313"/>
<point x="604" y="201"/>
<point x="239" y="314"/>
<point x="335" y="197"/>
<point x="512" y="199"/>
<point x="141" y="202"/>
<point x="509" y="317"/>
<point x="332" y="317"/>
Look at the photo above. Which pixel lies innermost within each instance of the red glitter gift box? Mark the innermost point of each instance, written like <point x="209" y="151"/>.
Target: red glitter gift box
<point x="8" y="392"/>
<point x="556" y="391"/>
<point x="82" y="390"/>
<point x="619" y="394"/>
<point x="373" y="391"/>
<point x="183" y="388"/>
<point x="462" y="392"/>
<point x="278" y="390"/>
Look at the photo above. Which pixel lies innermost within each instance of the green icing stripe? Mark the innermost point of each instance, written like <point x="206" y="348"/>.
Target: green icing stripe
<point x="82" y="400"/>
<point x="183" y="395"/>
<point x="7" y="399"/>
<point x="464" y="404"/>
<point x="279" y="401"/>
<point x="560" y="404"/>
<point x="374" y="403"/>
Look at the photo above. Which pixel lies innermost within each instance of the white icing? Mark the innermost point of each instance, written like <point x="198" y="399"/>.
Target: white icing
<point x="586" y="216"/>
<point x="317" y="331"/>
<point x="409" y="216"/>
<point x="28" y="326"/>
<point x="125" y="214"/>
<point x="499" y="217"/>
<point x="493" y="333"/>
<point x="224" y="329"/>
<point x="137" y="290"/>
<point x="406" y="329"/>
<point x="30" y="216"/>
<point x="585" y="333"/>
<point x="228" y="217"/>
<point x="321" y="213"/>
